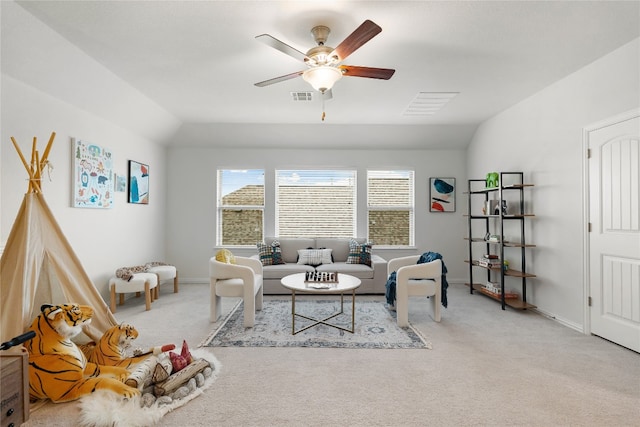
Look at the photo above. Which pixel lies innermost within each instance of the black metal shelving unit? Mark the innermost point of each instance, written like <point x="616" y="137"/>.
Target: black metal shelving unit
<point x="509" y="183"/>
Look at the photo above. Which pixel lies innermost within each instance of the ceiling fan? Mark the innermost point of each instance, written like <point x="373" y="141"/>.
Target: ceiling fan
<point x="324" y="62"/>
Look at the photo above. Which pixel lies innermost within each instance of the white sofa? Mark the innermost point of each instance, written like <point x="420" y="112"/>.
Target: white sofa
<point x="373" y="277"/>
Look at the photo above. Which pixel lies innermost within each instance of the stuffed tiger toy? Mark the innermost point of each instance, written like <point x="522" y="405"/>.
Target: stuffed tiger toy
<point x="58" y="370"/>
<point x="112" y="347"/>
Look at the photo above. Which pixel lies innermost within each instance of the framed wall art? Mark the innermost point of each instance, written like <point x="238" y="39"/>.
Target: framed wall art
<point x="442" y="194"/>
<point x="93" y="177"/>
<point x="138" y="183"/>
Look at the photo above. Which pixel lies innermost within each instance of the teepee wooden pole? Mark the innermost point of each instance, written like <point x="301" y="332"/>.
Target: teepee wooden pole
<point x="38" y="173"/>
<point x="45" y="155"/>
<point x="24" y="162"/>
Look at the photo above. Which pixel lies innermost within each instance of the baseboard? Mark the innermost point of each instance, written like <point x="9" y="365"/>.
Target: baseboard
<point x="562" y="321"/>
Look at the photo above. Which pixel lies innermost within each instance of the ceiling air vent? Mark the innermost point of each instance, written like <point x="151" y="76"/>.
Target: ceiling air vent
<point x="429" y="103"/>
<point x="302" y="96"/>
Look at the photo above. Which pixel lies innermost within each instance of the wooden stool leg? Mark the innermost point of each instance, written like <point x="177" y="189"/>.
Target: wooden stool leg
<point x="175" y="283"/>
<point x="147" y="295"/>
<point x="137" y="294"/>
<point x="121" y="298"/>
<point x="113" y="298"/>
<point x="156" y="292"/>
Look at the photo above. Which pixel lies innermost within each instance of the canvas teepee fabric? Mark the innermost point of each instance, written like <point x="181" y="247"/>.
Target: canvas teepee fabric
<point x="38" y="265"/>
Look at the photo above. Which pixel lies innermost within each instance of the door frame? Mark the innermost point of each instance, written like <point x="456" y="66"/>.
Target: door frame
<point x="619" y="118"/>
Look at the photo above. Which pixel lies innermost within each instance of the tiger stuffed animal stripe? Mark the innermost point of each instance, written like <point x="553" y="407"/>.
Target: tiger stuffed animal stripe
<point x="112" y="347"/>
<point x="58" y="369"/>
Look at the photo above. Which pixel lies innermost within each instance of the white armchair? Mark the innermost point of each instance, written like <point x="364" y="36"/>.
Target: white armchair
<point x="242" y="279"/>
<point x="416" y="280"/>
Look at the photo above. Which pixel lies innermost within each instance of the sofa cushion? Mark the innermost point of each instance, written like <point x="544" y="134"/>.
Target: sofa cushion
<point x="226" y="256"/>
<point x="339" y="247"/>
<point x="290" y="246"/>
<point x="314" y="257"/>
<point x="270" y="254"/>
<point x="359" y="253"/>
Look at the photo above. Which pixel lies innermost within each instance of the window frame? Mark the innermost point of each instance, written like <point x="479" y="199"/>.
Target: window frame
<point x="349" y="174"/>
<point x="410" y="208"/>
<point x="220" y="207"/>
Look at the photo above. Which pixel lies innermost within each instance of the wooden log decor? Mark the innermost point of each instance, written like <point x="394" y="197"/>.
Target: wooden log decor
<point x="179" y="378"/>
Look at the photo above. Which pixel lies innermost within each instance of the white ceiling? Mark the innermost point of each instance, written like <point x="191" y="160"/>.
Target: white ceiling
<point x="199" y="60"/>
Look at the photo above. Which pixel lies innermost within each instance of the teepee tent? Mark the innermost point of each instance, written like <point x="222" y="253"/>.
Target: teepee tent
<point x="38" y="265"/>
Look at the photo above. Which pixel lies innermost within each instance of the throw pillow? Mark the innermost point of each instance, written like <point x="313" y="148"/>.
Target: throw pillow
<point x="270" y="254"/>
<point x="314" y="256"/>
<point x="359" y="253"/>
<point x="226" y="256"/>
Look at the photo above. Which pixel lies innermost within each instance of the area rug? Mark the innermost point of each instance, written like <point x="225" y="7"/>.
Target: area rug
<point x="103" y="408"/>
<point x="375" y="327"/>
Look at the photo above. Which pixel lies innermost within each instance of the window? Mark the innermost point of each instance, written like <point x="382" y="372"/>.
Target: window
<point x="390" y="207"/>
<point x="315" y="203"/>
<point x="240" y="206"/>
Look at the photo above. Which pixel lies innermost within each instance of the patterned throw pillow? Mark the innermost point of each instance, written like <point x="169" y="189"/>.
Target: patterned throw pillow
<point x="270" y="254"/>
<point x="314" y="257"/>
<point x="226" y="256"/>
<point x="359" y="253"/>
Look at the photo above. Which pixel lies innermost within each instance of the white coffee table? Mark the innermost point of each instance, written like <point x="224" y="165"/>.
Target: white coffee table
<point x="296" y="284"/>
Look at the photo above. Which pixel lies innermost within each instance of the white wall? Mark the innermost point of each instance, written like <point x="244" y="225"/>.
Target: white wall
<point x="49" y="85"/>
<point x="192" y="198"/>
<point x="103" y="239"/>
<point x="542" y="136"/>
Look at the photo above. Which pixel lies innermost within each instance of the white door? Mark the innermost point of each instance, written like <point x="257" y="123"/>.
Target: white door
<point x="614" y="240"/>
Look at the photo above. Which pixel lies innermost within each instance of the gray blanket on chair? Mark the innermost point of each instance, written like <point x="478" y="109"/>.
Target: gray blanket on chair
<point x="425" y="257"/>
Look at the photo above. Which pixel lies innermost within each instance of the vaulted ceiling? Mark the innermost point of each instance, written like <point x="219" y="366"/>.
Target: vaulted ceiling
<point x="199" y="60"/>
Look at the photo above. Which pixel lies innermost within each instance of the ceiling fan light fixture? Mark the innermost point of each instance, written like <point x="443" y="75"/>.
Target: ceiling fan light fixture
<point x="322" y="78"/>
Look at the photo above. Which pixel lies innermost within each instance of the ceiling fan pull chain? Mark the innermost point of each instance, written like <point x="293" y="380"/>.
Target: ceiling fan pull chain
<point x="323" y="113"/>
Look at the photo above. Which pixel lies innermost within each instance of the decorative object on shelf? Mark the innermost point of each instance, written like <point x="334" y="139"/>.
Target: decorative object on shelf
<point x="496" y="210"/>
<point x="138" y="183"/>
<point x="492" y="180"/>
<point x="92" y="175"/>
<point x="442" y="194"/>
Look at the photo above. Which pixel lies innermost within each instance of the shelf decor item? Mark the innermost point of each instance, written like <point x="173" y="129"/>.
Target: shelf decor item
<point x="138" y="183"/>
<point x="442" y="194"/>
<point x="492" y="180"/>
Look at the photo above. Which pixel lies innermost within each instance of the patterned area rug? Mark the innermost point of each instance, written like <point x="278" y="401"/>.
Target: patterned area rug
<point x="375" y="327"/>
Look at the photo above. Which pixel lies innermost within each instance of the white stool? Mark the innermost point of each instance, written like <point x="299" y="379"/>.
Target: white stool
<point x="166" y="272"/>
<point x="147" y="282"/>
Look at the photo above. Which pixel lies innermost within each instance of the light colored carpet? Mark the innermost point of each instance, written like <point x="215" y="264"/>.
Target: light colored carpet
<point x="374" y="327"/>
<point x="487" y="367"/>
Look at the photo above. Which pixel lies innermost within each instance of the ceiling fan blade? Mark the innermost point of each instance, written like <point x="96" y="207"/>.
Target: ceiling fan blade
<point x="279" y="79"/>
<point x="282" y="47"/>
<point x="372" y="73"/>
<point x="365" y="32"/>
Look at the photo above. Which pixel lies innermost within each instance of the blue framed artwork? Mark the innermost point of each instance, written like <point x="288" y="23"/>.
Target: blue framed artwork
<point x="442" y="194"/>
<point x="138" y="183"/>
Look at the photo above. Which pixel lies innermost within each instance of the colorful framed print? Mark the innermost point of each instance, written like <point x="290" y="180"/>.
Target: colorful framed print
<point x="442" y="194"/>
<point x="92" y="175"/>
<point x="138" y="183"/>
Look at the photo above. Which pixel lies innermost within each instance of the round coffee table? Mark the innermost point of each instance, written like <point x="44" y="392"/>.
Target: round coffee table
<point x="296" y="284"/>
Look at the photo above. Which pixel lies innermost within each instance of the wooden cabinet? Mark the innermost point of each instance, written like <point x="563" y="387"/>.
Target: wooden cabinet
<point x="14" y="390"/>
<point x="497" y="233"/>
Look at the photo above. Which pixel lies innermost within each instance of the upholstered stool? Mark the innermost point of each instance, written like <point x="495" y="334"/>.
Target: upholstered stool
<point x="147" y="282"/>
<point x="166" y="272"/>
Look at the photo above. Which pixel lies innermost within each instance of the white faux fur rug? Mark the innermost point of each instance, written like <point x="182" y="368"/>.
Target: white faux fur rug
<point x="106" y="409"/>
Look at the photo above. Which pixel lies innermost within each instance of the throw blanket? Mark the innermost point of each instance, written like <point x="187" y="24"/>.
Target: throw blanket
<point x="425" y="257"/>
<point x="126" y="273"/>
